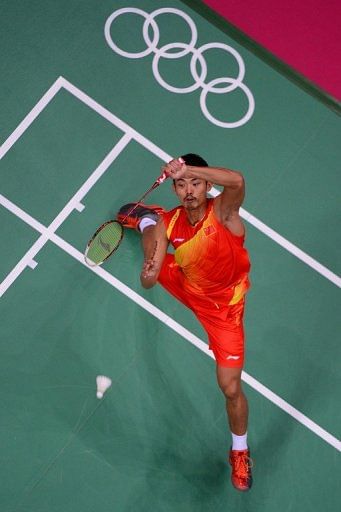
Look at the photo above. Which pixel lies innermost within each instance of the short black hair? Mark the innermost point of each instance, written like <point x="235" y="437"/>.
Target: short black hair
<point x="195" y="160"/>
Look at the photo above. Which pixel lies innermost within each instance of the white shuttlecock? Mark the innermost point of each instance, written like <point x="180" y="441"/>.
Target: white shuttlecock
<point x="103" y="383"/>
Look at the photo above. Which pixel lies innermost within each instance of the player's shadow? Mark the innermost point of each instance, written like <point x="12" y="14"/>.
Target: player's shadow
<point x="184" y="454"/>
<point x="149" y="424"/>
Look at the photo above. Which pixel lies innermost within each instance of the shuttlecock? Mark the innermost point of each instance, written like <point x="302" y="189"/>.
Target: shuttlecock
<point x="103" y="383"/>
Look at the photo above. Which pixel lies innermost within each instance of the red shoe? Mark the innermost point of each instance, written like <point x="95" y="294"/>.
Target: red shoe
<point x="241" y="475"/>
<point x="133" y="219"/>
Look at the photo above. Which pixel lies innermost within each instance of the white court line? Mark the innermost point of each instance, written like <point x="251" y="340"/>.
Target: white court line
<point x="168" y="321"/>
<point x="23" y="263"/>
<point x="288" y="246"/>
<point x="31" y="116"/>
<point x="116" y="121"/>
<point x="61" y="217"/>
<point x="61" y="82"/>
<point x="293" y="249"/>
<point x="248" y="217"/>
<point x="90" y="182"/>
<point x="32" y="252"/>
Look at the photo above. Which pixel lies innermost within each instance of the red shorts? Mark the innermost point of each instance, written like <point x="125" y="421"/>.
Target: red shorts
<point x="223" y="323"/>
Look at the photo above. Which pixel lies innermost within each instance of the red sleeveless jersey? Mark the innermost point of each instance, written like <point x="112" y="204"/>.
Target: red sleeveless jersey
<point x="212" y="259"/>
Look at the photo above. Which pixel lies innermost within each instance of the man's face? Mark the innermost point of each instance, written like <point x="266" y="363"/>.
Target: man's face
<point x="191" y="192"/>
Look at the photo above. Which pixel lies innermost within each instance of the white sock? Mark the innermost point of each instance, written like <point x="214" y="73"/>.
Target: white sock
<point x="145" y="222"/>
<point x="239" y="442"/>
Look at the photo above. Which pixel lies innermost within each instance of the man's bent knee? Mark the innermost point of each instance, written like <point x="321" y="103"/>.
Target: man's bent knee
<point x="229" y="381"/>
<point x="232" y="390"/>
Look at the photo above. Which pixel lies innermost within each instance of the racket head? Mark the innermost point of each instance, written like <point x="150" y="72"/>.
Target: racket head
<point x="103" y="243"/>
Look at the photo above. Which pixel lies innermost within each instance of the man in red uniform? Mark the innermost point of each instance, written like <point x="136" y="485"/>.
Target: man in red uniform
<point x="208" y="273"/>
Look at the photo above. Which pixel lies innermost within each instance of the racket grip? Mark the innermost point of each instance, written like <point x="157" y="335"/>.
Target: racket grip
<point x="161" y="179"/>
<point x="164" y="176"/>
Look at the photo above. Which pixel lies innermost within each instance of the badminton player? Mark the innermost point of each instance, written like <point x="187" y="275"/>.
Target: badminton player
<point x="208" y="273"/>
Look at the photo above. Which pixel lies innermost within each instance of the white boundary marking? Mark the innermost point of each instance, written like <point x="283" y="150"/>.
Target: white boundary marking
<point x="32" y="264"/>
<point x="23" y="263"/>
<point x="168" y="321"/>
<point x="31" y="116"/>
<point x="288" y="246"/>
<point x="129" y="131"/>
<point x="79" y="207"/>
<point x="75" y="203"/>
<point x="90" y="182"/>
<point x="116" y="121"/>
<point x="66" y="211"/>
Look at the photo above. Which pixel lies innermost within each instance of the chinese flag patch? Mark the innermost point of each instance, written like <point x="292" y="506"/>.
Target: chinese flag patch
<point x="209" y="230"/>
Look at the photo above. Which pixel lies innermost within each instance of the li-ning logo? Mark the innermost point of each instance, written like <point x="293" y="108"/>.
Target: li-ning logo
<point x="167" y="52"/>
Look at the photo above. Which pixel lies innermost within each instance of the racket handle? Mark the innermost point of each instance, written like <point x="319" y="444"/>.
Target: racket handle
<point x="156" y="183"/>
<point x="164" y="176"/>
<point x="160" y="179"/>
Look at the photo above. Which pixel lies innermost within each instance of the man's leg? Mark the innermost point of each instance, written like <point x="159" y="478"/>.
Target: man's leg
<point x="229" y="380"/>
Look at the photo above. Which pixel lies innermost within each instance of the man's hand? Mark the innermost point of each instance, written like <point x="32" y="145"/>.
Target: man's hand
<point x="175" y="169"/>
<point x="149" y="269"/>
<point x="149" y="273"/>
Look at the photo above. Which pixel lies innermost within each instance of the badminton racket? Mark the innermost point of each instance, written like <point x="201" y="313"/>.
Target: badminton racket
<point x="109" y="235"/>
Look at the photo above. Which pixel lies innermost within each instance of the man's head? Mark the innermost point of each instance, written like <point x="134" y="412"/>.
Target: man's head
<point x="192" y="192"/>
<point x="195" y="160"/>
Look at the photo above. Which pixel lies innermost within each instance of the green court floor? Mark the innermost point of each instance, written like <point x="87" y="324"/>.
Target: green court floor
<point x="85" y="127"/>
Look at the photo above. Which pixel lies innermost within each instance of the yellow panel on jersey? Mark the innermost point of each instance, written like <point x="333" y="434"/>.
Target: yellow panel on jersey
<point x="211" y="258"/>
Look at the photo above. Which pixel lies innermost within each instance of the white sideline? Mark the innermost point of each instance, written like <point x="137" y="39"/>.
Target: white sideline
<point x="61" y="82"/>
<point x="31" y="116"/>
<point x="160" y="315"/>
<point x="73" y="203"/>
<point x="116" y="121"/>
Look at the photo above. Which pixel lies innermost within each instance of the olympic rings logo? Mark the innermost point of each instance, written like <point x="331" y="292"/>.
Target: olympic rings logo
<point x="167" y="52"/>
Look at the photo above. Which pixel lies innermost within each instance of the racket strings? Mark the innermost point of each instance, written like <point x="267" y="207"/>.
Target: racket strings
<point x="104" y="243"/>
<point x="108" y="237"/>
